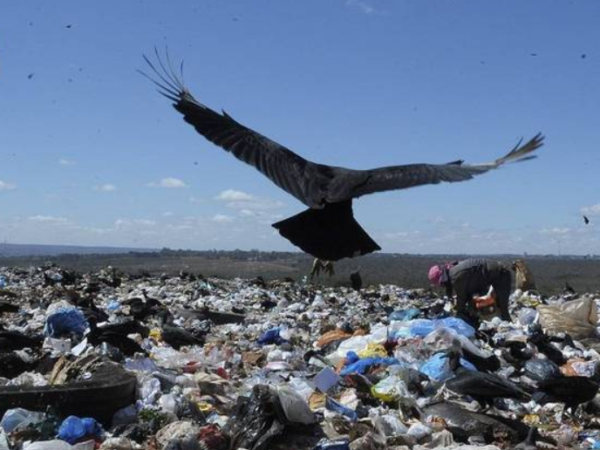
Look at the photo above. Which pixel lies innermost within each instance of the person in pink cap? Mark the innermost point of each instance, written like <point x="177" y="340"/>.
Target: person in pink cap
<point x="473" y="277"/>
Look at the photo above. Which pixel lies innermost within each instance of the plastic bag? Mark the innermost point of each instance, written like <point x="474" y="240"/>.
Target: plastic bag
<point x="256" y="420"/>
<point x="74" y="428"/>
<point x="18" y="418"/>
<point x="577" y="318"/>
<point x="64" y="322"/>
<point x="363" y="365"/>
<point x="541" y="369"/>
<point x="295" y="407"/>
<point x="334" y="406"/>
<point x="391" y="389"/>
<point x="373" y="350"/>
<point x="271" y="336"/>
<point x="422" y="327"/>
<point x="438" y="368"/>
<point x="405" y="314"/>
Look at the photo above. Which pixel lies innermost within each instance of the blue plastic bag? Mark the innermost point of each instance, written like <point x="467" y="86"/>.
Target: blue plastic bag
<point x="405" y="314"/>
<point x="422" y="327"/>
<point x="64" y="322"/>
<point x="362" y="365"/>
<point x="2" y="281"/>
<point x="74" y="428"/>
<point x="332" y="405"/>
<point x="271" y="337"/>
<point x="438" y="368"/>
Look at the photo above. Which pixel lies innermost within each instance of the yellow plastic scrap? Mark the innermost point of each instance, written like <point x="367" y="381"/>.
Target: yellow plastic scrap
<point x="388" y="397"/>
<point x="531" y="419"/>
<point x="205" y="407"/>
<point x="373" y="350"/>
<point x="316" y="401"/>
<point x="531" y="302"/>
<point x="156" y="334"/>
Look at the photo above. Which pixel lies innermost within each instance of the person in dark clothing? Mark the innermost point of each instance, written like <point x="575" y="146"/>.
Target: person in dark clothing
<point x="474" y="277"/>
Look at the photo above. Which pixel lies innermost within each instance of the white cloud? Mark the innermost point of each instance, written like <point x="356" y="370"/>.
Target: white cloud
<point x="169" y="183"/>
<point x="105" y="188"/>
<point x="231" y="195"/>
<point x="222" y="218"/>
<point x="122" y="223"/>
<point x="557" y="231"/>
<point x="4" y="186"/>
<point x="66" y="162"/>
<point x="197" y="200"/>
<point x="363" y="6"/>
<point x="246" y="202"/>
<point x="47" y="219"/>
<point x="592" y="210"/>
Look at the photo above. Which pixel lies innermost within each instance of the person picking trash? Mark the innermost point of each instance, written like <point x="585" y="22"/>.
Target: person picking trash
<point x="482" y="287"/>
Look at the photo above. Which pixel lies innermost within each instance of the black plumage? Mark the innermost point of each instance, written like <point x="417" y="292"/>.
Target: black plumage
<point x="327" y="229"/>
<point x="483" y="387"/>
<point x="116" y="336"/>
<point x="572" y="391"/>
<point x="544" y="345"/>
<point x="15" y="340"/>
<point x="7" y="307"/>
<point x="516" y="353"/>
<point x="569" y="289"/>
<point x="586" y="220"/>
<point x="177" y="337"/>
<point x="12" y="365"/>
<point x="356" y="281"/>
<point x="489" y="364"/>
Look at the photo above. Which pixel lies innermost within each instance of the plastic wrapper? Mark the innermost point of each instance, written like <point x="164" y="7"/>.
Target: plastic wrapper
<point x="391" y="389"/>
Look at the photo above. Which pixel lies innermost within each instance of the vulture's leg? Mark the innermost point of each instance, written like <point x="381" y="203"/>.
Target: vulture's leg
<point x="329" y="234"/>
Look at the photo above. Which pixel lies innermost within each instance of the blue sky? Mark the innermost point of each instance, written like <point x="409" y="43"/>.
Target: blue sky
<point x="90" y="154"/>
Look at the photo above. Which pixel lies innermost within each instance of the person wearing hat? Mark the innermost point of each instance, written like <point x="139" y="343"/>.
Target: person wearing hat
<point x="473" y="277"/>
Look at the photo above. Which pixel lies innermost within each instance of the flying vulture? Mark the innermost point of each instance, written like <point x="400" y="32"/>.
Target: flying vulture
<point x="327" y="229"/>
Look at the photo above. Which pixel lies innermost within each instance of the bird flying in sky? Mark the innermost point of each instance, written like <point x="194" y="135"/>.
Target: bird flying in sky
<point x="586" y="220"/>
<point x="327" y="229"/>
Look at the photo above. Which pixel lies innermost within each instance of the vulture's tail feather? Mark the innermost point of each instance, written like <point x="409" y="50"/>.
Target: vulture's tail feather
<point x="522" y="152"/>
<point x="329" y="234"/>
<point x="169" y="83"/>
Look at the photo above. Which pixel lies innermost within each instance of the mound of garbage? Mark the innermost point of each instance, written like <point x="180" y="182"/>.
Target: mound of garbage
<point x="114" y="361"/>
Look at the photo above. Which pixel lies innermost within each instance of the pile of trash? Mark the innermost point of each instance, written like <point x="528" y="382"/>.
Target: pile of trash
<point x="112" y="361"/>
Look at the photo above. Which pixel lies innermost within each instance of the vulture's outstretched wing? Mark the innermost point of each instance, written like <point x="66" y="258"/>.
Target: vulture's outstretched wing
<point x="311" y="183"/>
<point x="305" y="180"/>
<point x="410" y="175"/>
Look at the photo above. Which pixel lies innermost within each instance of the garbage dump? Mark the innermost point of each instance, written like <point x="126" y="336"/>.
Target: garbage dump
<point x="112" y="361"/>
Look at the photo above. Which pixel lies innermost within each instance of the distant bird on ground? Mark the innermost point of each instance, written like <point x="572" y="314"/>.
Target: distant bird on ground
<point x="356" y="280"/>
<point x="586" y="220"/>
<point x="569" y="289"/>
<point x="327" y="229"/>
